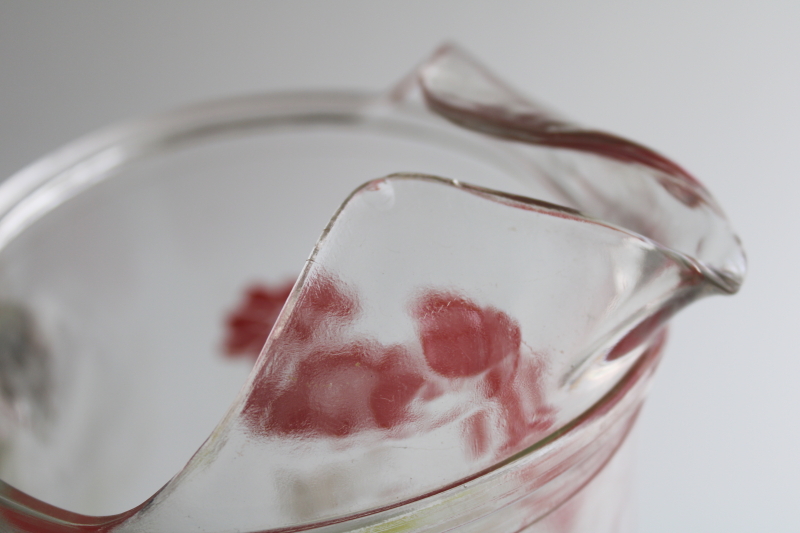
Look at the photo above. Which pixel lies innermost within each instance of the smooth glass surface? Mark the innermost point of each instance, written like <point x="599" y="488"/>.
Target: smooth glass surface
<point x="466" y="347"/>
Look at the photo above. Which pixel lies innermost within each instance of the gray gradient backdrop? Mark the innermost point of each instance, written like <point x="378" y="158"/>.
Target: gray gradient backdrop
<point x="714" y="85"/>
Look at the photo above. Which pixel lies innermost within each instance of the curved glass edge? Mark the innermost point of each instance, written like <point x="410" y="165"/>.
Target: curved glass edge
<point x="44" y="185"/>
<point x="561" y="449"/>
<point x="460" y="89"/>
<point x="40" y="187"/>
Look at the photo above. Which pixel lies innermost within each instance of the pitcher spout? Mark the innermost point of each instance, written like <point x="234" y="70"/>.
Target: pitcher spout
<point x="454" y="356"/>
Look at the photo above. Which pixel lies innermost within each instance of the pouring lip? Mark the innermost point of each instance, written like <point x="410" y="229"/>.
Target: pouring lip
<point x="482" y="102"/>
<point x="95" y="156"/>
<point x="92" y="158"/>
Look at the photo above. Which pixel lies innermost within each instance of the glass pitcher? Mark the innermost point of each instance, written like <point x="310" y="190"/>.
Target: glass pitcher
<point x="465" y="349"/>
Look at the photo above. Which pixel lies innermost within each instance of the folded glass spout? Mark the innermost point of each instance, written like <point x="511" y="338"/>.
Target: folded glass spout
<point x="453" y="356"/>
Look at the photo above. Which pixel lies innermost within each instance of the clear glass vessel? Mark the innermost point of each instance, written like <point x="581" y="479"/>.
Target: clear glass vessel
<point x="465" y="349"/>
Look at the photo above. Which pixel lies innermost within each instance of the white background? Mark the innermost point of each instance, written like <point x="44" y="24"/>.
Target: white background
<point x="715" y="85"/>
